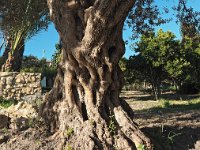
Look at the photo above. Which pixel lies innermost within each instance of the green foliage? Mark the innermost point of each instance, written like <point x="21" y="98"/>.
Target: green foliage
<point x="68" y="147"/>
<point x="143" y="17"/>
<point x="69" y="132"/>
<point x="141" y="147"/>
<point x="165" y="103"/>
<point x="4" y="130"/>
<point x="188" y="18"/>
<point x="38" y="103"/>
<point x="172" y="105"/>
<point x="154" y="52"/>
<point x="35" y="122"/>
<point x="6" y="103"/>
<point x="157" y="48"/>
<point x="30" y="122"/>
<point x="56" y="57"/>
<point x="192" y="72"/>
<point x="123" y="64"/>
<point x="112" y="126"/>
<point x="19" y="21"/>
<point x="23" y="19"/>
<point x="33" y="64"/>
<point x="161" y="57"/>
<point x="127" y="73"/>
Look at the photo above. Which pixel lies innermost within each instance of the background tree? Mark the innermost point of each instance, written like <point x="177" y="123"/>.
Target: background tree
<point x="20" y="20"/>
<point x="155" y="50"/>
<point x="143" y="17"/>
<point x="189" y="20"/>
<point x="191" y="84"/>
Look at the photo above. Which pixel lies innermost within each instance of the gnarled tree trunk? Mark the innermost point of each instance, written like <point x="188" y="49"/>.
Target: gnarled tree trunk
<point x="85" y="97"/>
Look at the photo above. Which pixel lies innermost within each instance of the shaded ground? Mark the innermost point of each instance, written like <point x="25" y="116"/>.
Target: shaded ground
<point x="175" y="127"/>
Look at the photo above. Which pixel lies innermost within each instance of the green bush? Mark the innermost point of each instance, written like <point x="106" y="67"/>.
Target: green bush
<point x="6" y="103"/>
<point x="34" y="65"/>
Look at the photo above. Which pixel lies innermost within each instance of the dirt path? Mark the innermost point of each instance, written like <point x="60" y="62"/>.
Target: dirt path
<point x="170" y="128"/>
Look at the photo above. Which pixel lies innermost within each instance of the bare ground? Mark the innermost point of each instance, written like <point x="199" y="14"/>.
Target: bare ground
<point x="175" y="128"/>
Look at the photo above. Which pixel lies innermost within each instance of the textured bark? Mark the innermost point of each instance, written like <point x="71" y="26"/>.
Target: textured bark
<point x="85" y="96"/>
<point x="12" y="60"/>
<point x="6" y="51"/>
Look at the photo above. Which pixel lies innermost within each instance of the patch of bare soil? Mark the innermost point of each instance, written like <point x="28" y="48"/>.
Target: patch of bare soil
<point x="169" y="129"/>
<point x="22" y="129"/>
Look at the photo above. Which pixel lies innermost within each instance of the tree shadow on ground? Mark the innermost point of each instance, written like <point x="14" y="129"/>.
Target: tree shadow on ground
<point x="173" y="138"/>
<point x="170" y="96"/>
<point x="136" y="96"/>
<point x="176" y="127"/>
<point x="171" y="108"/>
<point x="145" y="96"/>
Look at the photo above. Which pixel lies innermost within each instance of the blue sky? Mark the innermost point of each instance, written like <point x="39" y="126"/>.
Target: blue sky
<point x="43" y="45"/>
<point x="171" y="26"/>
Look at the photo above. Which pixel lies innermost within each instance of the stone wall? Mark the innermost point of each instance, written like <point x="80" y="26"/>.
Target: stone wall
<point x="20" y="86"/>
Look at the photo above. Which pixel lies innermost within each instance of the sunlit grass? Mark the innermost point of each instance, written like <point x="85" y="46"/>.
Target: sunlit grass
<point x="180" y="104"/>
<point x="176" y="105"/>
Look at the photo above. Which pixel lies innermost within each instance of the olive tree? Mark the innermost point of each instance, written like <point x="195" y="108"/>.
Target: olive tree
<point x="85" y="95"/>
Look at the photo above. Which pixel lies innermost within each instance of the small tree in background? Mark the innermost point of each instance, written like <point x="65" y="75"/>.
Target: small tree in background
<point x="189" y="20"/>
<point x="19" y="21"/>
<point x="154" y="52"/>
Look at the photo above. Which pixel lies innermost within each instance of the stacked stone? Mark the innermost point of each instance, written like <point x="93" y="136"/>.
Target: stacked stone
<point x="18" y="86"/>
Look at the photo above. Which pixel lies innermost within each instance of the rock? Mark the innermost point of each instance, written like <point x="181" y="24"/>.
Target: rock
<point x="22" y="109"/>
<point x="5" y="74"/>
<point x="31" y="99"/>
<point x="19" y="118"/>
<point x="19" y="124"/>
<point x="33" y="79"/>
<point x="13" y="90"/>
<point x="3" y="138"/>
<point x="8" y="86"/>
<point x="197" y="145"/>
<point x="18" y="80"/>
<point x="9" y="80"/>
<point x="16" y="85"/>
<point x="28" y="90"/>
<point x="3" y="80"/>
<point x="4" y="121"/>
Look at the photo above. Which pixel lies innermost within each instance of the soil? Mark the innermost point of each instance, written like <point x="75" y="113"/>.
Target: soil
<point x="169" y="129"/>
